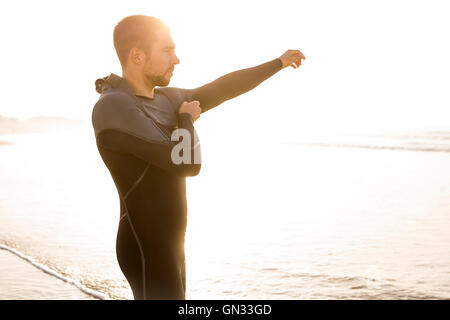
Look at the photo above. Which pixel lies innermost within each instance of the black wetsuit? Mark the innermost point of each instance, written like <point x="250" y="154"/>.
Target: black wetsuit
<point x="133" y="138"/>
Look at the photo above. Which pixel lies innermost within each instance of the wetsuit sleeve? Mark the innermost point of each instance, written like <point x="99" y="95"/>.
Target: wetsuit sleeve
<point x="232" y="84"/>
<point x="123" y="127"/>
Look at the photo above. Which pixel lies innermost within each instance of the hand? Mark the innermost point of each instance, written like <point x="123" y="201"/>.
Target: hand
<point x="193" y="108"/>
<point x="292" y="58"/>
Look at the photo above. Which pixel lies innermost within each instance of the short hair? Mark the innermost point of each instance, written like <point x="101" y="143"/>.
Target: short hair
<point x="135" y="31"/>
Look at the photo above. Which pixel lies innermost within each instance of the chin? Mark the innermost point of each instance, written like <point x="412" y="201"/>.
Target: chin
<point x="164" y="84"/>
<point x="159" y="81"/>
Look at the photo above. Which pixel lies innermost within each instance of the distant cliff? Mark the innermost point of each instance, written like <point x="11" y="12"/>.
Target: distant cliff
<point x="36" y="124"/>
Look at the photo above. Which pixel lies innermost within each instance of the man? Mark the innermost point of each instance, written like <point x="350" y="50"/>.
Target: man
<point x="133" y="122"/>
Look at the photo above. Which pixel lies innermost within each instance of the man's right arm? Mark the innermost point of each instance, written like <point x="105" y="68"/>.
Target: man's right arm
<point x="122" y="127"/>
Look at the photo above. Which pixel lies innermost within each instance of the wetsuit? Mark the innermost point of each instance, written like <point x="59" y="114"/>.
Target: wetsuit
<point x="133" y="138"/>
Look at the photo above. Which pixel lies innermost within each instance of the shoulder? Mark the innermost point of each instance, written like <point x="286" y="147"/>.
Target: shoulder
<point x="112" y="107"/>
<point x="113" y="101"/>
<point x="119" y="111"/>
<point x="115" y="98"/>
<point x="176" y="95"/>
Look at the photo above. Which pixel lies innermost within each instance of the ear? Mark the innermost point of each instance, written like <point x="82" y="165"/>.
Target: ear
<point x="137" y="56"/>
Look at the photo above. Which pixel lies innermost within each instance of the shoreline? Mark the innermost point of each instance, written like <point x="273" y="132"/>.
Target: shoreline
<point x="23" y="279"/>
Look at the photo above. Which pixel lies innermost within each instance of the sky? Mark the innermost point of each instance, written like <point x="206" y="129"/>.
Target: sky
<point x="378" y="65"/>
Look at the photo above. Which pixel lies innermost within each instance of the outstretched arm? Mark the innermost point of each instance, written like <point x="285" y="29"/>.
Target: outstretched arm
<point x="238" y="82"/>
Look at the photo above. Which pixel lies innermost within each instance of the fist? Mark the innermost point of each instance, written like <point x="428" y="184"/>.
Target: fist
<point x="292" y="58"/>
<point x="193" y="108"/>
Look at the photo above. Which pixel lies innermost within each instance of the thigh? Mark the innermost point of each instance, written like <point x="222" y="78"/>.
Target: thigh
<point x="154" y="269"/>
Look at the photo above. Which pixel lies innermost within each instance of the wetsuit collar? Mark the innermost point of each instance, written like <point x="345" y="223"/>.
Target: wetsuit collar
<point x="113" y="81"/>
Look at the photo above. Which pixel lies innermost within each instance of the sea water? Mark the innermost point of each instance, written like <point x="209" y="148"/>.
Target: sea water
<point x="356" y="218"/>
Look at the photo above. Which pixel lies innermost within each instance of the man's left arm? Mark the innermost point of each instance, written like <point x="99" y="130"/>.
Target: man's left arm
<point x="238" y="82"/>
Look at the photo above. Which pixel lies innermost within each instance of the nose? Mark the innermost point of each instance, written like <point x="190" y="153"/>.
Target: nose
<point x="175" y="60"/>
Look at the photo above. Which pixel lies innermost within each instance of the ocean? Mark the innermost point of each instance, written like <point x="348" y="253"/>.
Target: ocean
<point x="330" y="217"/>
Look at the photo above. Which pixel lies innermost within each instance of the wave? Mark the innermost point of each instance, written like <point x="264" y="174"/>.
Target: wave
<point x="430" y="141"/>
<point x="378" y="147"/>
<point x="53" y="273"/>
<point x="361" y="287"/>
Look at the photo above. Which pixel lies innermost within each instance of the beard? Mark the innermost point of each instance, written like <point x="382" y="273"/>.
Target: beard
<point x="157" y="80"/>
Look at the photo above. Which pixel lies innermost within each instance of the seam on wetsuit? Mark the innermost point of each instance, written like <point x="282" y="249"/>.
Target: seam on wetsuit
<point x="136" y="136"/>
<point x="137" y="182"/>
<point x="142" y="254"/>
<point x="132" y="227"/>
<point x="122" y="216"/>
<point x="153" y="120"/>
<point x="137" y="240"/>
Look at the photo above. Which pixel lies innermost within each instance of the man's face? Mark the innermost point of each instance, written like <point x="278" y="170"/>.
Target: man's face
<point x="160" y="64"/>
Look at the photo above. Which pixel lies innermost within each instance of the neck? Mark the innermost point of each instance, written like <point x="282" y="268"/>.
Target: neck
<point x="140" y="87"/>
